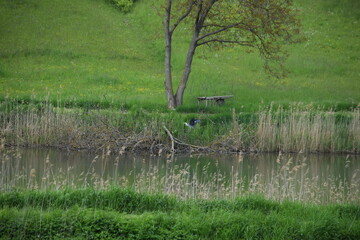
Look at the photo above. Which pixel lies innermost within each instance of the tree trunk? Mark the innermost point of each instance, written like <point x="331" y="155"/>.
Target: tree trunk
<point x="199" y="22"/>
<point x="171" y="101"/>
<point x="181" y="88"/>
<point x="177" y="99"/>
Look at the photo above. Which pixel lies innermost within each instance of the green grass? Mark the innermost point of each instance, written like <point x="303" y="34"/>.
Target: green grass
<point x="87" y="51"/>
<point x="85" y="54"/>
<point x="110" y="214"/>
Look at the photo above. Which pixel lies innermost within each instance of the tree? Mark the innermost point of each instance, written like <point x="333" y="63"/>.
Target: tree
<point x="265" y="25"/>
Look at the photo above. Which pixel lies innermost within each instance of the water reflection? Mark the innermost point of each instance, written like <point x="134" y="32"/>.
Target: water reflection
<point x="315" y="178"/>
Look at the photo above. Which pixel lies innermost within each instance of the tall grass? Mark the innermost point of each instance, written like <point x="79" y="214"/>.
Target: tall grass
<point x="296" y="129"/>
<point x="308" y="130"/>
<point x="87" y="206"/>
<point x="123" y="214"/>
<point x="289" y="179"/>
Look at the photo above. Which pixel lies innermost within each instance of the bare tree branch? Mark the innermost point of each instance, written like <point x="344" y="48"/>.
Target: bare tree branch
<point x="218" y="31"/>
<point x="198" y="14"/>
<point x="267" y="54"/>
<point x="171" y="138"/>
<point x="242" y="43"/>
<point x="206" y="12"/>
<point x="188" y="11"/>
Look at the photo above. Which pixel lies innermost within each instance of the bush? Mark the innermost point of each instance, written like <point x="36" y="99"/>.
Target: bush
<point x="123" y="5"/>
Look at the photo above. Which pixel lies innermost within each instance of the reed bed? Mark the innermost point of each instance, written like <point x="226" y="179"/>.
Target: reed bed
<point x="308" y="131"/>
<point x="39" y="125"/>
<point x="290" y="180"/>
<point x="183" y="204"/>
<point x="178" y="202"/>
<point x="296" y="129"/>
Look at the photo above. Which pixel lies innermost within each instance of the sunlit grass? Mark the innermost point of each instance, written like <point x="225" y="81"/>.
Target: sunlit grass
<point x="95" y="53"/>
<point x="114" y="215"/>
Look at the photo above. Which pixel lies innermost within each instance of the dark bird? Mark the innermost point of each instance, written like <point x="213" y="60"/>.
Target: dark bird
<point x="192" y="123"/>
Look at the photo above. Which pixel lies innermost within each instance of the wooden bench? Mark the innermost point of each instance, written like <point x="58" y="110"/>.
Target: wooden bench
<point x="217" y="99"/>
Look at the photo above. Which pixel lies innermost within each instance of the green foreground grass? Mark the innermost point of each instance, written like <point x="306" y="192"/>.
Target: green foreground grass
<point x="124" y="214"/>
<point x="88" y="53"/>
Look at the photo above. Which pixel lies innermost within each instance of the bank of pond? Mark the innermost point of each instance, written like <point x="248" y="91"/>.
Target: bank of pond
<point x="294" y="128"/>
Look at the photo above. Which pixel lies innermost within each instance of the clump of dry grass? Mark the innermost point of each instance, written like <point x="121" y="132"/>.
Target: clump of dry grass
<point x="307" y="131"/>
<point x="46" y="125"/>
<point x="290" y="181"/>
<point x="298" y="129"/>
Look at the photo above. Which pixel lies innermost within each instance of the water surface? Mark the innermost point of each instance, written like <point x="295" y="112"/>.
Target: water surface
<point x="316" y="178"/>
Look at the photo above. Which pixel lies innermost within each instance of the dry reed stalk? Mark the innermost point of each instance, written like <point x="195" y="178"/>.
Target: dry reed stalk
<point x="298" y="129"/>
<point x="290" y="180"/>
<point x="71" y="129"/>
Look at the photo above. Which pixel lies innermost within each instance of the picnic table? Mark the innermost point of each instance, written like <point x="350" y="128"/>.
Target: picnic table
<point x="217" y="99"/>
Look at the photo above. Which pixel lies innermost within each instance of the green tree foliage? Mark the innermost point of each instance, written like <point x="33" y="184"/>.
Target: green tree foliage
<point x="264" y="25"/>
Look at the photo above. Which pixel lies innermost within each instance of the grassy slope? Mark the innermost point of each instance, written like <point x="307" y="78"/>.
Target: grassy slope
<point x="87" y="51"/>
<point x="124" y="214"/>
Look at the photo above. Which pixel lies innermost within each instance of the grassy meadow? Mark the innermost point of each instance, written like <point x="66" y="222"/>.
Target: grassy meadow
<point x="88" y="52"/>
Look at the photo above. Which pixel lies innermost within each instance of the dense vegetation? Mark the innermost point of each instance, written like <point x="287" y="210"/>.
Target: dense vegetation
<point x="124" y="214"/>
<point x="299" y="128"/>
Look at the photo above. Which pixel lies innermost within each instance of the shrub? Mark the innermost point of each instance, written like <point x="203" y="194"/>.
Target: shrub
<point x="123" y="5"/>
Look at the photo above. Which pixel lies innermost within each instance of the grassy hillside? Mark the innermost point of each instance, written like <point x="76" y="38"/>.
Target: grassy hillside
<point x="88" y="51"/>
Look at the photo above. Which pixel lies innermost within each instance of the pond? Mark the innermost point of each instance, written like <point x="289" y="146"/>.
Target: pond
<point x="311" y="178"/>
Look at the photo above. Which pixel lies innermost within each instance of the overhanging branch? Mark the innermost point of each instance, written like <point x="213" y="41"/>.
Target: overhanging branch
<point x="242" y="43"/>
<point x="188" y="11"/>
<point x="224" y="28"/>
<point x="205" y="12"/>
<point x="267" y="54"/>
